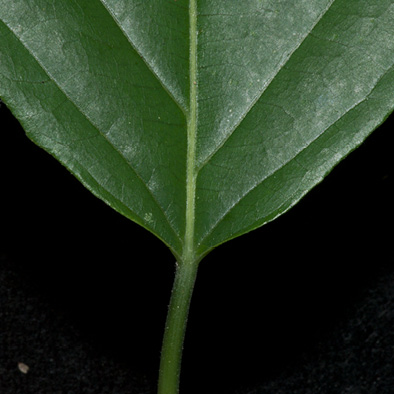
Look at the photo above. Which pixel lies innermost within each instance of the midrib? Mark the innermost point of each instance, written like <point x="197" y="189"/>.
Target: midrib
<point x="188" y="251"/>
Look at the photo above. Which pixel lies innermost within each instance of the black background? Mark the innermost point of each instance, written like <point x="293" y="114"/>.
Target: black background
<point x="85" y="291"/>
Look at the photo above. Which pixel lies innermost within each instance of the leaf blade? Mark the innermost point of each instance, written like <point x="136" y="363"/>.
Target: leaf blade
<point x="109" y="91"/>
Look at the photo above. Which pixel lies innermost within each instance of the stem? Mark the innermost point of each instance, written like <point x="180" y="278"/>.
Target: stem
<point x="171" y="354"/>
<point x="178" y="310"/>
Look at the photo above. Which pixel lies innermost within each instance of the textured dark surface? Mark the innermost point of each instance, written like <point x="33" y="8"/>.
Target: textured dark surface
<point x="357" y="357"/>
<point x="83" y="303"/>
<point x="60" y="360"/>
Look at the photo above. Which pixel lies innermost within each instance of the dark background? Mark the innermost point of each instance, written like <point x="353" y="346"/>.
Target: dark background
<point x="304" y="304"/>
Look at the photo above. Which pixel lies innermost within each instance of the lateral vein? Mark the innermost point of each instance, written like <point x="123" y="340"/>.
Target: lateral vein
<point x="281" y="64"/>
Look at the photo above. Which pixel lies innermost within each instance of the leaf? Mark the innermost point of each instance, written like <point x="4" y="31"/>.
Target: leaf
<point x="203" y="120"/>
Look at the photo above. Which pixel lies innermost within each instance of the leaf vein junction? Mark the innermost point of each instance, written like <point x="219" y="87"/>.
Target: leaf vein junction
<point x="177" y="101"/>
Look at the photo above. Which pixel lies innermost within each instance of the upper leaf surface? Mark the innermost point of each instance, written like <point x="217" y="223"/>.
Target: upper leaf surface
<point x="242" y="47"/>
<point x="276" y="93"/>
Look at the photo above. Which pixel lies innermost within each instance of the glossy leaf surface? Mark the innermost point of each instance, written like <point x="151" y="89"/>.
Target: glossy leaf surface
<point x="202" y="123"/>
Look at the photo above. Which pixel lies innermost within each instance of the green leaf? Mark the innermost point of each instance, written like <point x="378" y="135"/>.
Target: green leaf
<point x="200" y="121"/>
